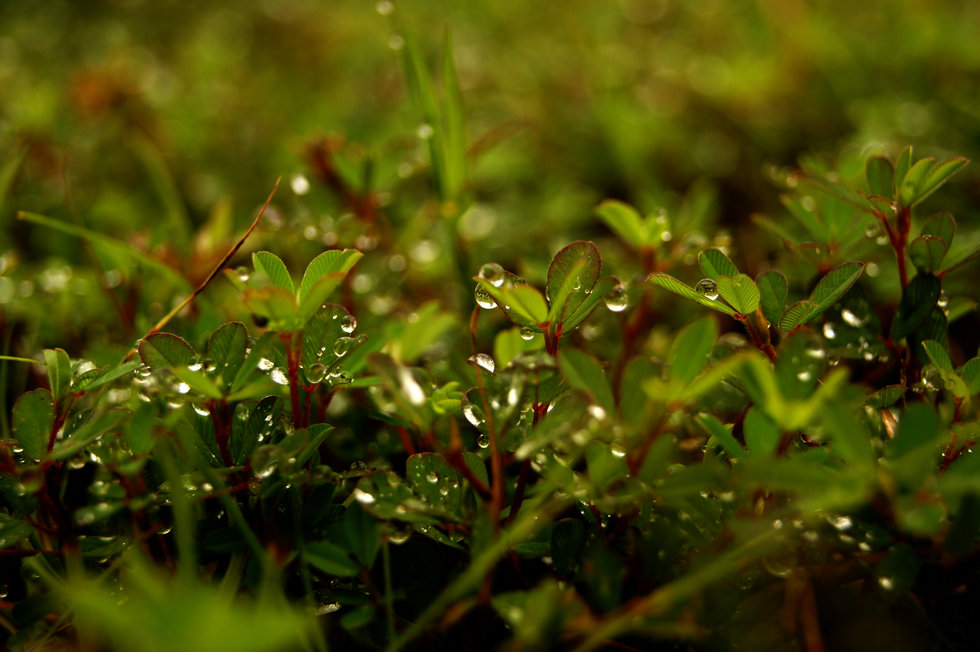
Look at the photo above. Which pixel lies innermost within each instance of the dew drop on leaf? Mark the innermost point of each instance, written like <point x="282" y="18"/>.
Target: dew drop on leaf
<point x="527" y="333"/>
<point x="316" y="372"/>
<point x="483" y="441"/>
<point x="432" y="477"/>
<point x="493" y="273"/>
<point x="706" y="287"/>
<point x="278" y="376"/>
<point x="265" y="364"/>
<point x="943" y="300"/>
<point x="265" y="460"/>
<point x="617" y="299"/>
<point x="472" y="413"/>
<point x="483" y="361"/>
<point x="851" y="318"/>
<point x="829" y="330"/>
<point x="243" y="274"/>
<point x="483" y="298"/>
<point x="348" y="323"/>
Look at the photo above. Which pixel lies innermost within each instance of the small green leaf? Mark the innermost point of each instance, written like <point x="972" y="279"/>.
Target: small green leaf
<point x="927" y="252"/>
<point x="624" y="220"/>
<point x="970" y="373"/>
<point x="908" y="189"/>
<point x="801" y="362"/>
<point x="721" y="435"/>
<point x="106" y="375"/>
<point x="773" y="291"/>
<point x="936" y="176"/>
<point x="33" y="417"/>
<point x="316" y="295"/>
<point x="670" y="283"/>
<point x="58" y="366"/>
<point x="272" y="266"/>
<point x="880" y="174"/>
<point x="363" y="534"/>
<point x="275" y="304"/>
<point x="690" y="350"/>
<point x="833" y="286"/>
<point x="761" y="433"/>
<point x="941" y="225"/>
<point x="796" y="314"/>
<point x="331" y="559"/>
<point x="87" y="433"/>
<point x="582" y="371"/>
<point x="226" y="350"/>
<point x="714" y="263"/>
<point x="740" y="292"/>
<point x="902" y="165"/>
<point x="604" y="465"/>
<point x="918" y="301"/>
<point x="584" y="309"/>
<point x="577" y="264"/>
<point x="885" y="396"/>
<point x="165" y="351"/>
<point x="198" y="381"/>
<point x="334" y="261"/>
<point x="567" y="543"/>
<point x="940" y="358"/>
<point x="919" y="427"/>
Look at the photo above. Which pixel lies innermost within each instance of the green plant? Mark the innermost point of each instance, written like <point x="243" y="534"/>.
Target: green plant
<point x="677" y="485"/>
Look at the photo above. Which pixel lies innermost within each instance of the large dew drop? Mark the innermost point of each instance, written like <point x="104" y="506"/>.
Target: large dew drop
<point x="483" y="361"/>
<point x="706" y="287"/>
<point x="483" y="298"/>
<point x="348" y="323"/>
<point x="617" y="299"/>
<point x="493" y="273"/>
<point x="472" y="413"/>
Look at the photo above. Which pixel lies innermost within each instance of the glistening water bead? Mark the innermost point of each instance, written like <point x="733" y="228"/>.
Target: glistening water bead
<point x="493" y="273"/>
<point x="483" y="361"/>
<point x="483" y="298"/>
<point x="617" y="299"/>
<point x="348" y="323"/>
<point x="707" y="287"/>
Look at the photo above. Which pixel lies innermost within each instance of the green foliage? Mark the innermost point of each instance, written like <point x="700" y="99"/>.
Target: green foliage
<point x="379" y="455"/>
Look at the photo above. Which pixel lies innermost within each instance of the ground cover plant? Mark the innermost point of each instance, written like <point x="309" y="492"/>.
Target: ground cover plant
<point x="384" y="410"/>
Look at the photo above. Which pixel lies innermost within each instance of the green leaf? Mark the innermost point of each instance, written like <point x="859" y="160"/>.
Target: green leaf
<point x="773" y="291"/>
<point x="796" y="314"/>
<point x="166" y="351"/>
<point x="918" y="300"/>
<point x="363" y="534"/>
<point x="832" y="287"/>
<point x="801" y="362"/>
<point x="721" y="435"/>
<point x="762" y="435"/>
<point x="880" y="174"/>
<point x="33" y="418"/>
<point x="272" y="266"/>
<point x="919" y="428"/>
<point x="435" y="480"/>
<point x="521" y="303"/>
<point x="567" y="544"/>
<point x="714" y="263"/>
<point x="624" y="220"/>
<point x="604" y="465"/>
<point x="691" y="348"/>
<point x="941" y="225"/>
<point x="940" y="358"/>
<point x="105" y="375"/>
<point x="584" y="309"/>
<point x="578" y="264"/>
<point x="58" y="366"/>
<point x="582" y="371"/>
<point x="334" y="261"/>
<point x="331" y="559"/>
<point x="902" y="165"/>
<point x="806" y="217"/>
<point x="927" y="252"/>
<point x="670" y="283"/>
<point x="885" y="396"/>
<point x="226" y="350"/>
<point x="935" y="177"/>
<point x="740" y="292"/>
<point x="454" y="133"/>
<point x="970" y="373"/>
<point x="13" y="531"/>
<point x="275" y="304"/>
<point x="87" y="433"/>
<point x="199" y="382"/>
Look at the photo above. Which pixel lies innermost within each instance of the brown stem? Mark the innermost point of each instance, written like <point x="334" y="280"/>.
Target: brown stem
<point x="221" y="418"/>
<point x="301" y="418"/>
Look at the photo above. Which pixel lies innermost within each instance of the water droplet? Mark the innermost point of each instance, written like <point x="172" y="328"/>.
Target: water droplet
<point x="183" y="388"/>
<point x="493" y="273"/>
<point x="708" y="288"/>
<point x="472" y="413"/>
<point x="617" y="299"/>
<point x="829" y="330"/>
<point x="348" y="323"/>
<point x="527" y="333"/>
<point x="851" y="318"/>
<point x="363" y="497"/>
<point x="200" y="409"/>
<point x="432" y="477"/>
<point x="265" y="364"/>
<point x="483" y="361"/>
<point x="617" y="449"/>
<point x="345" y="345"/>
<point x="483" y="441"/>
<point x="197" y="366"/>
<point x="316" y="372"/>
<point x="840" y="521"/>
<point x="483" y="298"/>
<point x="943" y="300"/>
<point x="299" y="184"/>
<point x="328" y="607"/>
<point x="886" y="583"/>
<point x="596" y="412"/>
<point x="243" y="274"/>
<point x="278" y="376"/>
<point x="265" y="460"/>
<point x="872" y="230"/>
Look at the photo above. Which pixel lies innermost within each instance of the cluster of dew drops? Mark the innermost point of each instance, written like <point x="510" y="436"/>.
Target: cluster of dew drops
<point x="616" y="299"/>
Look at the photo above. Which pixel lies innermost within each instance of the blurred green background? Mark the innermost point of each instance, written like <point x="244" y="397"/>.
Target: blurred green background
<point x="165" y="124"/>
